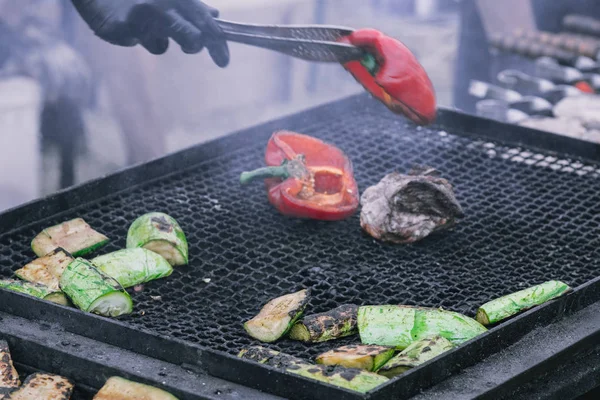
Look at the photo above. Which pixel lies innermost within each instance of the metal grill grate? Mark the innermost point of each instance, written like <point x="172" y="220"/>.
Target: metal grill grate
<point x="530" y="217"/>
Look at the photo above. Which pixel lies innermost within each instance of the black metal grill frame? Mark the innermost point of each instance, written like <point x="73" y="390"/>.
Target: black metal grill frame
<point x="576" y="155"/>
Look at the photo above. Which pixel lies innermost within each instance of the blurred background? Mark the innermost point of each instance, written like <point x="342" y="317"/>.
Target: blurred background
<point x="121" y="106"/>
<point x="74" y="108"/>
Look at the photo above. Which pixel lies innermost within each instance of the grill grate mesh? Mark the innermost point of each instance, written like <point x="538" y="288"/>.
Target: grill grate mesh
<point x="530" y="217"/>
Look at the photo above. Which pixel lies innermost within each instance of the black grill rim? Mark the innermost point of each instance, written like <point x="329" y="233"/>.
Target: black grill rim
<point x="227" y="366"/>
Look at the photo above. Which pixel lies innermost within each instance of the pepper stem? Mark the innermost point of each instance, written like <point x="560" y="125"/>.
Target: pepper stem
<point x="370" y="63"/>
<point x="265" y="172"/>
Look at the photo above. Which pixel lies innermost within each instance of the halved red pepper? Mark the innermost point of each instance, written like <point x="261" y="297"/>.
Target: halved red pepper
<point x="391" y="73"/>
<point x="307" y="178"/>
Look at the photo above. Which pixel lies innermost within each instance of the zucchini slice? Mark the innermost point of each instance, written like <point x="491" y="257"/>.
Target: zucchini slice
<point x="506" y="306"/>
<point x="132" y="267"/>
<point x="123" y="389"/>
<point x="42" y="386"/>
<point x="161" y="234"/>
<point x="349" y="378"/>
<point x="414" y="355"/>
<point x="46" y="270"/>
<point x="333" y="324"/>
<point x="361" y="356"/>
<point x="9" y="378"/>
<point x="93" y="291"/>
<point x="277" y="317"/>
<point x="74" y="236"/>
<point x="398" y="325"/>
<point x="35" y="290"/>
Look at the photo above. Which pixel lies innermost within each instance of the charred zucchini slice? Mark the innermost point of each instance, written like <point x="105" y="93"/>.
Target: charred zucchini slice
<point x="398" y="326"/>
<point x="415" y="354"/>
<point x="277" y="317"/>
<point x="160" y="233"/>
<point x="35" y="290"/>
<point x="93" y="291"/>
<point x="74" y="236"/>
<point x="333" y="324"/>
<point x="361" y="356"/>
<point x="123" y="389"/>
<point x="132" y="267"/>
<point x="42" y="386"/>
<point x="348" y="378"/>
<point x="46" y="270"/>
<point x="9" y="378"/>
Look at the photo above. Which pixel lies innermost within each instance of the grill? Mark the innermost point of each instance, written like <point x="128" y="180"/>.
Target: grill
<point x="531" y="216"/>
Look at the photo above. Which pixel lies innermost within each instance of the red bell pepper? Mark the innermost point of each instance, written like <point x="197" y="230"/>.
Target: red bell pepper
<point x="391" y="73"/>
<point x="307" y="178"/>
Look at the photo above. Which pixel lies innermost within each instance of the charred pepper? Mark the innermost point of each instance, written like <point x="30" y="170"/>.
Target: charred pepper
<point x="307" y="178"/>
<point x="392" y="73"/>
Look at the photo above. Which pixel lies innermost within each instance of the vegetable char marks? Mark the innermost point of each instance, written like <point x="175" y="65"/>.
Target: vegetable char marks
<point x="407" y="208"/>
<point x="368" y="357"/>
<point x="416" y="354"/>
<point x="160" y="233"/>
<point x="75" y="236"/>
<point x="333" y="324"/>
<point x="9" y="378"/>
<point x="277" y="317"/>
<point x="349" y="378"/>
<point x="46" y="270"/>
<point x="41" y="386"/>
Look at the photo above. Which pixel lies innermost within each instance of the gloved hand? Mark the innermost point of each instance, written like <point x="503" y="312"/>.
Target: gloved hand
<point x="152" y="22"/>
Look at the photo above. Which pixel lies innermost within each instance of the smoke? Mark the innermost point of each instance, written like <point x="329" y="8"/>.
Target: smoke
<point x="144" y="106"/>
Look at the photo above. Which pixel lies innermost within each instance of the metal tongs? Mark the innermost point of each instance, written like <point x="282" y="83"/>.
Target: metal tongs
<point x="308" y="42"/>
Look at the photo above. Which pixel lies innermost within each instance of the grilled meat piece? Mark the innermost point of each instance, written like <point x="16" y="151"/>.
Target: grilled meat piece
<point x="407" y="208"/>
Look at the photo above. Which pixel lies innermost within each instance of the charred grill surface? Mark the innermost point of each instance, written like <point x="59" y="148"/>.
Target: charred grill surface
<point x="529" y="217"/>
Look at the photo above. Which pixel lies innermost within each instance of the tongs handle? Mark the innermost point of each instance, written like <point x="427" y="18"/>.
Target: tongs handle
<point x="308" y="42"/>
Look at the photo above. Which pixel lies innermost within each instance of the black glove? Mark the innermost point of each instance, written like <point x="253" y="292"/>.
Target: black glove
<point x="152" y="22"/>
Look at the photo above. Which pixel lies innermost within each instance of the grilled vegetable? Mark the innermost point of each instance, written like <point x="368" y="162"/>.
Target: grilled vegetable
<point x="514" y="303"/>
<point x="276" y="318"/>
<point x="270" y="357"/>
<point x="131" y="267"/>
<point x="35" y="290"/>
<point x="399" y="325"/>
<point x="393" y="75"/>
<point x="407" y="208"/>
<point x="41" y="386"/>
<point x="46" y="270"/>
<point x="307" y="178"/>
<point x="74" y="236"/>
<point x="9" y="378"/>
<point x="333" y="324"/>
<point x="117" y="388"/>
<point x="361" y="356"/>
<point x="414" y="355"/>
<point x="161" y="234"/>
<point x="348" y="378"/>
<point x="93" y="291"/>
